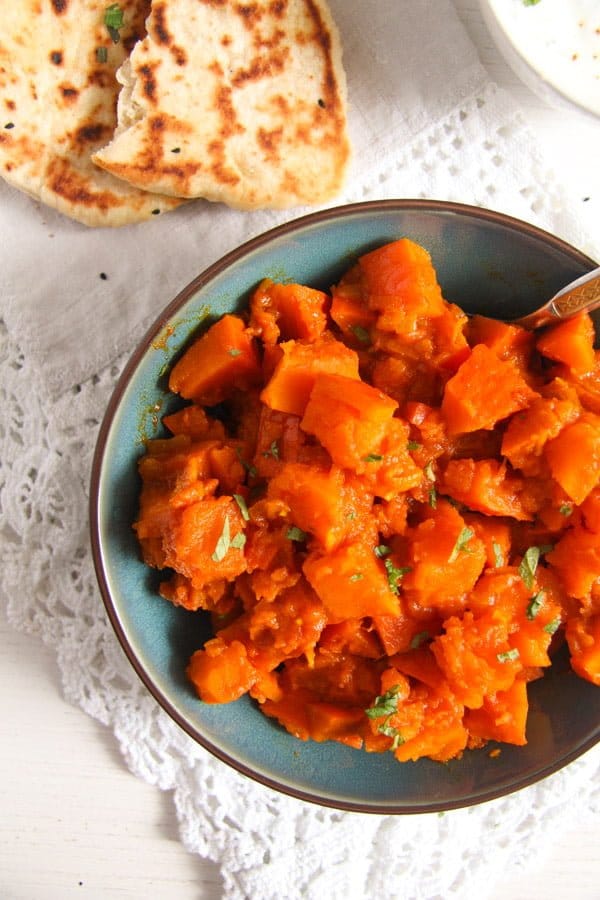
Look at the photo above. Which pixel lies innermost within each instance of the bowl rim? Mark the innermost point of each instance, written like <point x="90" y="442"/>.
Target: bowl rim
<point x="133" y="362"/>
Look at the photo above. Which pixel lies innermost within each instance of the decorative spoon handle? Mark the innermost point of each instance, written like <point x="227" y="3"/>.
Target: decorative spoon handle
<point x="579" y="297"/>
<point x="582" y="295"/>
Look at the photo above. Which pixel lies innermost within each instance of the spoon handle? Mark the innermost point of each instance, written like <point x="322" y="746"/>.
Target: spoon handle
<point x="581" y="295"/>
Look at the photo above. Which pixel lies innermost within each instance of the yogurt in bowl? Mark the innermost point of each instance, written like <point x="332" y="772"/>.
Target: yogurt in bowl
<point x="553" y="46"/>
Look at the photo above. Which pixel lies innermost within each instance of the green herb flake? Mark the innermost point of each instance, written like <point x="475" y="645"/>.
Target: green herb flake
<point x="534" y="605"/>
<point x="508" y="655"/>
<point x="243" y="507"/>
<point x="530" y="2"/>
<point x="223" y="544"/>
<point x="553" y="626"/>
<point x="528" y="566"/>
<point x="394" y="575"/>
<point x="382" y="550"/>
<point x="498" y="555"/>
<point x="361" y="333"/>
<point x="358" y="576"/>
<point x="419" y="639"/>
<point x="234" y="352"/>
<point x="385" y="704"/>
<point x="389" y="731"/>
<point x="295" y="534"/>
<point x="414" y="445"/>
<point x="101" y="54"/>
<point x="113" y="19"/>
<point x="272" y="451"/>
<point x="250" y="469"/>
<point x="461" y="543"/>
<point x="432" y="497"/>
<point x="239" y="540"/>
<point x="428" y="470"/>
<point x="565" y="509"/>
<point x="373" y="457"/>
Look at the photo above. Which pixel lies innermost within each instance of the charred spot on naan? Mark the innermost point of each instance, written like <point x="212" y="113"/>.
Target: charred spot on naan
<point x="76" y="189"/>
<point x="91" y="135"/>
<point x="270" y="143"/>
<point x="149" y="83"/>
<point x="68" y="92"/>
<point x="60" y="6"/>
<point x="156" y="148"/>
<point x="161" y="34"/>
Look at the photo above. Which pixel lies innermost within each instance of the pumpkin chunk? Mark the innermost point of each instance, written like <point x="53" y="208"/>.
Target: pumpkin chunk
<point x="484" y="391"/>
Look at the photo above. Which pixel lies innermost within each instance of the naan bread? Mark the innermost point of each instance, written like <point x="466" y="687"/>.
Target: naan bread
<point x="243" y="103"/>
<point x="58" y="101"/>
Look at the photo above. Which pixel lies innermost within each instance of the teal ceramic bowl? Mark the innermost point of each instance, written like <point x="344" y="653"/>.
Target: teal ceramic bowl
<point x="486" y="262"/>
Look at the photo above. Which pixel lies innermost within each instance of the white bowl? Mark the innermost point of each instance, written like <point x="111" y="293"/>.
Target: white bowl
<point x="553" y="46"/>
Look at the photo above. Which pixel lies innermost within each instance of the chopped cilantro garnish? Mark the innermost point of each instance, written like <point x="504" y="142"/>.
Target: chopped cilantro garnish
<point x="382" y="550"/>
<point x="358" y="576"/>
<point x="528" y="566"/>
<point x="272" y="451"/>
<point x="390" y="731"/>
<point x="498" y="555"/>
<point x="461" y="543"/>
<point x="419" y="639"/>
<point x="414" y="445"/>
<point x="508" y="655"/>
<point x="250" y="469"/>
<point x="243" y="507"/>
<point x="295" y="534"/>
<point x="384" y="708"/>
<point x="552" y="626"/>
<point x="101" y="54"/>
<point x="565" y="509"/>
<point x="238" y="541"/>
<point x="113" y="19"/>
<point x="385" y="704"/>
<point x="234" y="352"/>
<point x="530" y="2"/>
<point x="534" y="605"/>
<point x="432" y="496"/>
<point x="223" y="544"/>
<point x="361" y="333"/>
<point x="394" y="574"/>
<point x="373" y="457"/>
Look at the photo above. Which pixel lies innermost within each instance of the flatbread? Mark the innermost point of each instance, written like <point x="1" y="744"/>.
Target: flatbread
<point x="58" y="102"/>
<point x="243" y="103"/>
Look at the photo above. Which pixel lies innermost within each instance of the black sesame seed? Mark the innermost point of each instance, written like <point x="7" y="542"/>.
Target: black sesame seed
<point x="10" y="125"/>
<point x="103" y="276"/>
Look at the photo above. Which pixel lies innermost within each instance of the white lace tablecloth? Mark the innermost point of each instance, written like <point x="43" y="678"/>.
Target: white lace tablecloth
<point x="426" y="122"/>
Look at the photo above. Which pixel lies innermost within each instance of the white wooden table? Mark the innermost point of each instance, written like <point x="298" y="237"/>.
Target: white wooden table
<point x="75" y="823"/>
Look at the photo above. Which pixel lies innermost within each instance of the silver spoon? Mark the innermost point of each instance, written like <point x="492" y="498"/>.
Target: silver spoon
<point x="581" y="295"/>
